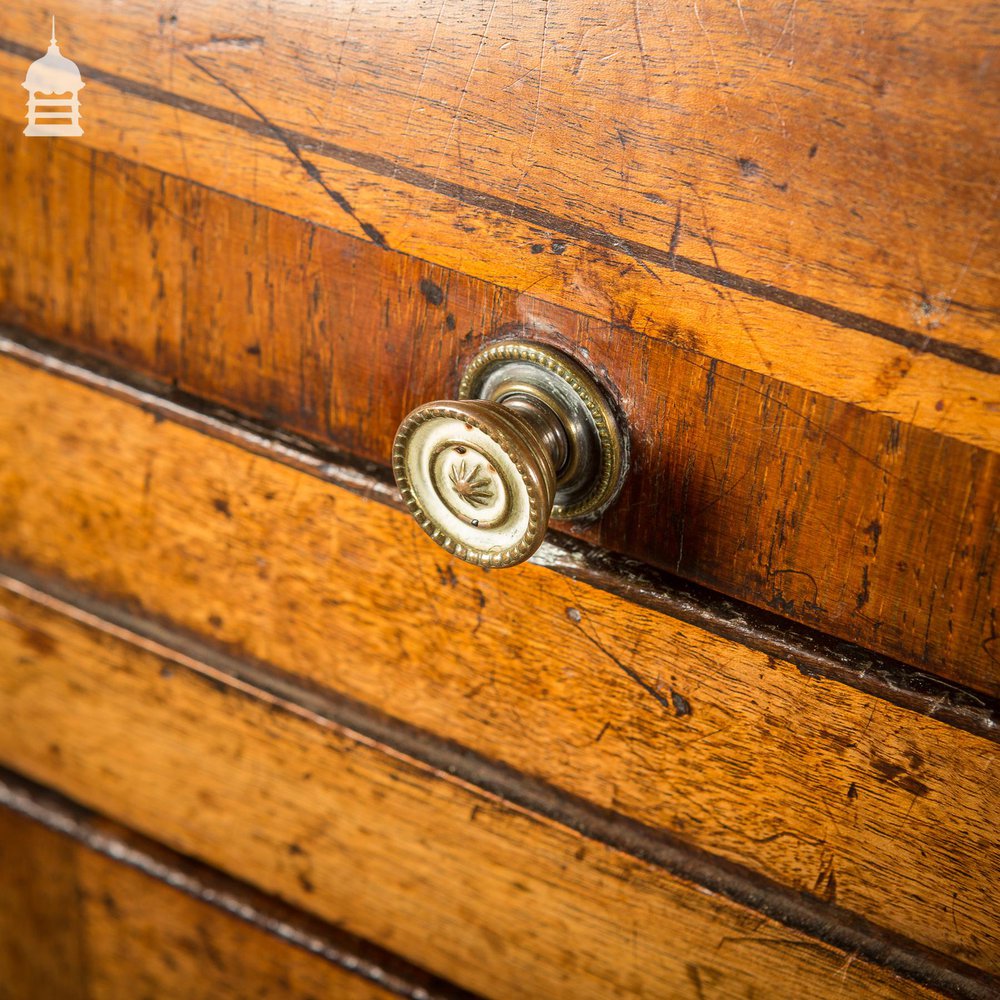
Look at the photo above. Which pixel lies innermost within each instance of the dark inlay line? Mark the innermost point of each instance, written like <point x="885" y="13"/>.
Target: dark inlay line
<point x="214" y="888"/>
<point x="968" y="357"/>
<point x="827" y="922"/>
<point x="814" y="652"/>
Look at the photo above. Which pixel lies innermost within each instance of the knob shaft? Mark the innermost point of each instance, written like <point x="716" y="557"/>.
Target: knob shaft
<point x="482" y="475"/>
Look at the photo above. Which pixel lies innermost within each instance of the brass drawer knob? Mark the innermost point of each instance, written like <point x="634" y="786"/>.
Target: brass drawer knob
<point x="531" y="436"/>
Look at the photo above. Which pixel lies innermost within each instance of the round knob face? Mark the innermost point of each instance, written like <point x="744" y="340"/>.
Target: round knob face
<point x="476" y="478"/>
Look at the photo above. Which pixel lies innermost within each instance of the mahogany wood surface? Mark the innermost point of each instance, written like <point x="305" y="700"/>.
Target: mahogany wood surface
<point x="804" y="191"/>
<point x="488" y="894"/>
<point x="150" y="925"/>
<point x="41" y="951"/>
<point x="819" y="786"/>
<point x="879" y="531"/>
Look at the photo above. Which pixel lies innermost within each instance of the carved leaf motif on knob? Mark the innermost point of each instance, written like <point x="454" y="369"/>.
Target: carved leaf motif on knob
<point x="472" y="486"/>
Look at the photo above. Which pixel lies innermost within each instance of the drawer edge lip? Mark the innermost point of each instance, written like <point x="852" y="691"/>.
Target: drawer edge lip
<point x="831" y="924"/>
<point x="814" y="653"/>
<point x="221" y="891"/>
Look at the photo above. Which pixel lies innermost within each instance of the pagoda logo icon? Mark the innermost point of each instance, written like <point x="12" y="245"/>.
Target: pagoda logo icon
<point x="53" y="84"/>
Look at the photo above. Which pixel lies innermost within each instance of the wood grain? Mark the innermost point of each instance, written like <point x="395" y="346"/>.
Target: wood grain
<point x="497" y="899"/>
<point x="817" y="785"/>
<point x="147" y="940"/>
<point x="42" y="953"/>
<point x="133" y="936"/>
<point x="747" y="179"/>
<point x="737" y="482"/>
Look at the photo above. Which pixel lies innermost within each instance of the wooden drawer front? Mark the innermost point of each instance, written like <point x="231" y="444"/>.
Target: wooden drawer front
<point x="483" y="892"/>
<point x="801" y="343"/>
<point x="792" y="784"/>
<point x="151" y="925"/>
<point x="736" y="737"/>
<point x="680" y="175"/>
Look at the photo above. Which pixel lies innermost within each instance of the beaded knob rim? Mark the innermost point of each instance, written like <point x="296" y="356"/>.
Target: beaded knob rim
<point x="532" y="476"/>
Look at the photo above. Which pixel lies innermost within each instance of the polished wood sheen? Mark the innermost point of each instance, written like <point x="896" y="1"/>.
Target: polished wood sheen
<point x="737" y="481"/>
<point x="495" y="898"/>
<point x="736" y="737"/>
<point x="804" y="191"/>
<point x="743" y="754"/>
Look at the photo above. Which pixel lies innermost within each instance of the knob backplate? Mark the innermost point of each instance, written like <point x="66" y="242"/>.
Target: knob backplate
<point x="597" y="451"/>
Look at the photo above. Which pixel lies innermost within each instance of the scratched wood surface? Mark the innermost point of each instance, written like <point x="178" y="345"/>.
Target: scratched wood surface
<point x="493" y="897"/>
<point x="817" y="785"/>
<point x="112" y="932"/>
<point x="737" y="481"/>
<point x="804" y="191"/>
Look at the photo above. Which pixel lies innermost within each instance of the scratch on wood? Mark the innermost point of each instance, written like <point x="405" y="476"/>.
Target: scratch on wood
<point x="417" y="89"/>
<point x="541" y="65"/>
<point x="715" y="59"/>
<point x="310" y="168"/>
<point x="465" y="91"/>
<point x="625" y="669"/>
<point x="675" y="236"/>
<point x="710" y="384"/>
<point x="227" y="42"/>
<point x="643" y="56"/>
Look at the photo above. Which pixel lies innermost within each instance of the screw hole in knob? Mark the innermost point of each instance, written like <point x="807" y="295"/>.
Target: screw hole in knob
<point x="532" y="436"/>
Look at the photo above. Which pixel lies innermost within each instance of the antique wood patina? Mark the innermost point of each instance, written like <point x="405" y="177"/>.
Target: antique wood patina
<point x="123" y="917"/>
<point x="735" y="737"/>
<point x="760" y="754"/>
<point x="456" y="879"/>
<point x="738" y="481"/>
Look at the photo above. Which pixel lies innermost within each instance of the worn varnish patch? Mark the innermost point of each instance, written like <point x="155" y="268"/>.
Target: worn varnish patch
<point x="485" y="893"/>
<point x="738" y="752"/>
